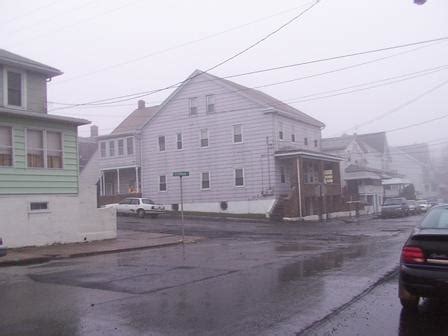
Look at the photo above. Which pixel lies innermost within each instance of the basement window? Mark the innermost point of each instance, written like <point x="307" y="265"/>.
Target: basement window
<point x="36" y="206"/>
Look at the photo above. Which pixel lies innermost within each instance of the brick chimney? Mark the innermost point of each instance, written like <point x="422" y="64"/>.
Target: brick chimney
<point x="141" y="104"/>
<point x="93" y="131"/>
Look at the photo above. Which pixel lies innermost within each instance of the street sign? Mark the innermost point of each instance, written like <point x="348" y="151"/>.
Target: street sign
<point x="181" y="173"/>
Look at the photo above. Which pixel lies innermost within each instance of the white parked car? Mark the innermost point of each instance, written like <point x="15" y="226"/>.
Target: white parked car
<point x="3" y="249"/>
<point x="424" y="205"/>
<point x="138" y="206"/>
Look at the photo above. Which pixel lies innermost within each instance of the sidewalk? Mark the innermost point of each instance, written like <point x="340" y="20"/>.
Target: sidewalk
<point x="125" y="241"/>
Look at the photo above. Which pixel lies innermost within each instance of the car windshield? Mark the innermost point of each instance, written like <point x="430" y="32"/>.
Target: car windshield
<point x="392" y="201"/>
<point x="436" y="219"/>
<point x="147" y="201"/>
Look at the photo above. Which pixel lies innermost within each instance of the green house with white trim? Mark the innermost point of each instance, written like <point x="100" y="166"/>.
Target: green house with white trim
<point x="41" y="198"/>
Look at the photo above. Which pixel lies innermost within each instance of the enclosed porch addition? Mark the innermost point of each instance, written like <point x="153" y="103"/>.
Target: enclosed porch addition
<point x="314" y="184"/>
<point x="118" y="183"/>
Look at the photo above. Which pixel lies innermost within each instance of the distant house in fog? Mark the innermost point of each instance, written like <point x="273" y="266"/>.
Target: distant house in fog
<point x="366" y="164"/>
<point x="415" y="163"/>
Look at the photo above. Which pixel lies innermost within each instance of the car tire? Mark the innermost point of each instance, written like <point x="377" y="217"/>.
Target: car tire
<point x="141" y="213"/>
<point x="410" y="303"/>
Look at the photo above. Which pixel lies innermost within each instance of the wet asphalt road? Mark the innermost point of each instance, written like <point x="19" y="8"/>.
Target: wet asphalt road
<point x="379" y="313"/>
<point x="247" y="278"/>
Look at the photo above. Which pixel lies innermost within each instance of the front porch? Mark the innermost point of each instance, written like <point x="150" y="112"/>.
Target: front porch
<point x="315" y="184"/>
<point x="116" y="184"/>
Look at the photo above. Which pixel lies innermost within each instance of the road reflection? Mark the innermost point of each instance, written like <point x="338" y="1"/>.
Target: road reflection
<point x="429" y="320"/>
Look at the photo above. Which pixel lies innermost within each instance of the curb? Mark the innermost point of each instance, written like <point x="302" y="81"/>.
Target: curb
<point x="41" y="259"/>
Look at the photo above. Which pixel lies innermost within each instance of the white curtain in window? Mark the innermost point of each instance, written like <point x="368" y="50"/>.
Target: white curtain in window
<point x="34" y="139"/>
<point x="54" y="141"/>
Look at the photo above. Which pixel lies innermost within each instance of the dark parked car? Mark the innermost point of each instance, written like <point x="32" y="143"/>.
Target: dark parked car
<point x="424" y="260"/>
<point x="3" y="249"/>
<point x="395" y="207"/>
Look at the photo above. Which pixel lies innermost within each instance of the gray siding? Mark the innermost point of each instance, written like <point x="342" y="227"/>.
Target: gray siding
<point x="1" y="86"/>
<point x="36" y="92"/>
<point x="220" y="158"/>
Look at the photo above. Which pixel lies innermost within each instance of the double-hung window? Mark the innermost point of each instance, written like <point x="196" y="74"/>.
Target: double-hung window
<point x="237" y="133"/>
<point x="112" y="148"/>
<point x="161" y="143"/>
<point x="120" y="145"/>
<point x="130" y="145"/>
<point x="193" y="106"/>
<point x="239" y="177"/>
<point x="210" y="103"/>
<point x="282" y="175"/>
<point x="6" y="146"/>
<point x="293" y="134"/>
<point x="15" y="86"/>
<point x="205" y="180"/>
<point x="35" y="148"/>
<point x="280" y="131"/>
<point x="204" y="137"/>
<point x="305" y="141"/>
<point x="54" y="149"/>
<point x="179" y="143"/>
<point x="162" y="183"/>
<point x="103" y="149"/>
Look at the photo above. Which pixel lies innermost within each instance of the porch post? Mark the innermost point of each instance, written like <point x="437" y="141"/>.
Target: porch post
<point x="299" y="187"/>
<point x="136" y="180"/>
<point x="101" y="183"/>
<point x="118" y="181"/>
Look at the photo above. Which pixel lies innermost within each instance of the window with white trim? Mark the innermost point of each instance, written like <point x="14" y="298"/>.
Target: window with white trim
<point x="162" y="183"/>
<point x="35" y="148"/>
<point x="205" y="180"/>
<point x="316" y="143"/>
<point x="112" y="148"/>
<point x="204" y="137"/>
<point x="210" y="103"/>
<point x="103" y="149"/>
<point x="130" y="145"/>
<point x="6" y="152"/>
<point x="54" y="150"/>
<point x="179" y="143"/>
<point x="239" y="177"/>
<point x="237" y="133"/>
<point x="15" y="88"/>
<point x="293" y="134"/>
<point x="193" y="106"/>
<point x="280" y="131"/>
<point x="161" y="143"/>
<point x="120" y="147"/>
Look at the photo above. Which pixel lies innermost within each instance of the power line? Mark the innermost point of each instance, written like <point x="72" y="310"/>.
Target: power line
<point x="35" y="10"/>
<point x="253" y="45"/>
<point x="417" y="124"/>
<point x="127" y="97"/>
<point x="401" y="106"/>
<point x="389" y="81"/>
<point x="162" y="51"/>
<point x="275" y="83"/>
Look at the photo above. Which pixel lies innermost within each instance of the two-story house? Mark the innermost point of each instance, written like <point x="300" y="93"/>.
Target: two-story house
<point x="244" y="151"/>
<point x="120" y="156"/>
<point x="366" y="165"/>
<point x="40" y="199"/>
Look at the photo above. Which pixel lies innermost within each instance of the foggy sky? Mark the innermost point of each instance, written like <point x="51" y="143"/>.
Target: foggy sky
<point x="81" y="37"/>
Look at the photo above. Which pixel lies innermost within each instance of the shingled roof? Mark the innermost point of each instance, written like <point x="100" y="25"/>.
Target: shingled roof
<point x="377" y="141"/>
<point x="9" y="58"/>
<point x="136" y="120"/>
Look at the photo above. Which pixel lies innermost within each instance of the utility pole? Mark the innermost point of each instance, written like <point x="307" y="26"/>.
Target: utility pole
<point x="182" y="174"/>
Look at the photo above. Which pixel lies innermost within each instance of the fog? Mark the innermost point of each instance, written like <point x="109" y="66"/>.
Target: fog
<point x="114" y="48"/>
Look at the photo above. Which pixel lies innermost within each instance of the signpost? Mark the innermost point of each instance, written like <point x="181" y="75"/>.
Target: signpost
<point x="182" y="174"/>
